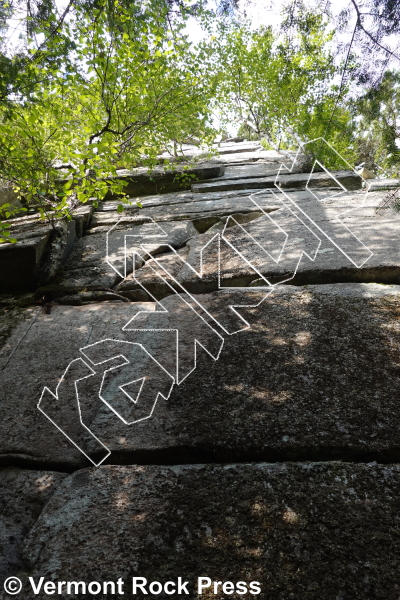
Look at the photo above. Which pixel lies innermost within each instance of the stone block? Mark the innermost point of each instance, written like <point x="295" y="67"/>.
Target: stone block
<point x="20" y="262"/>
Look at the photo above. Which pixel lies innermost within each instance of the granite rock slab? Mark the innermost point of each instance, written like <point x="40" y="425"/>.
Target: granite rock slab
<point x="305" y="241"/>
<point x="383" y="184"/>
<point x="232" y="148"/>
<point x="40" y="250"/>
<point x="309" y="531"/>
<point x="315" y="377"/>
<point x="348" y="179"/>
<point x="140" y="182"/>
<point x="161" y="201"/>
<point x="15" y="322"/>
<point x="23" y="495"/>
<point x="242" y="158"/>
<point x="248" y="171"/>
<point x="203" y="213"/>
<point x="98" y="261"/>
<point x="253" y="183"/>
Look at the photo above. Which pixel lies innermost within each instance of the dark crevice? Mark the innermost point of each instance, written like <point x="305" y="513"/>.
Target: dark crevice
<point x="32" y="463"/>
<point x="195" y="456"/>
<point x="385" y="275"/>
<point x="178" y="456"/>
<point x="389" y="275"/>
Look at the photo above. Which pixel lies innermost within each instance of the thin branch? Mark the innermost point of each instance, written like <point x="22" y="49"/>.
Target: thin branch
<point x="361" y="26"/>
<point x="341" y="82"/>
<point x="56" y="28"/>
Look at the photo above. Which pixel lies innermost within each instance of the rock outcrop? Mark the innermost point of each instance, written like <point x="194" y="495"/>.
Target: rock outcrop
<point x="206" y="387"/>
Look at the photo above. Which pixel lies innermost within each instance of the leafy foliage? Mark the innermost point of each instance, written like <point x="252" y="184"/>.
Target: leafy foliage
<point x="131" y="84"/>
<point x="106" y="84"/>
<point x="280" y="87"/>
<point x="378" y="126"/>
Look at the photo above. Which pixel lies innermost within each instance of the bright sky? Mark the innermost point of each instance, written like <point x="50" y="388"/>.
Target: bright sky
<point x="260" y="12"/>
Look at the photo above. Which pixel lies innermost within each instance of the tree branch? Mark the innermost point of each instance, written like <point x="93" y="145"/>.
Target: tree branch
<point x="55" y="28"/>
<point x="372" y="38"/>
<point x="341" y="82"/>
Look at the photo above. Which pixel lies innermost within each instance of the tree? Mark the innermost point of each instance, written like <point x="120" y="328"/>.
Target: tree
<point x="131" y="84"/>
<point x="279" y="85"/>
<point x="378" y="126"/>
<point x="375" y="21"/>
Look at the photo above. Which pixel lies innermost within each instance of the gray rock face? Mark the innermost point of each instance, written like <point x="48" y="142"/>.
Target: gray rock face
<point x="20" y="263"/>
<point x="249" y="171"/>
<point x="14" y="324"/>
<point x="62" y="242"/>
<point x="40" y="250"/>
<point x="8" y="196"/>
<point x="97" y="261"/>
<point x="198" y="211"/>
<point x="234" y="139"/>
<point x="221" y="149"/>
<point x="233" y="148"/>
<point x="22" y="497"/>
<point x="82" y="217"/>
<point x="254" y="183"/>
<point x="383" y="184"/>
<point x="160" y="201"/>
<point x="164" y="339"/>
<point x="313" y="378"/>
<point x="350" y="180"/>
<point x="140" y="182"/>
<point x="307" y="531"/>
<point x="242" y="158"/>
<point x="302" y="242"/>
